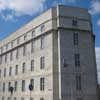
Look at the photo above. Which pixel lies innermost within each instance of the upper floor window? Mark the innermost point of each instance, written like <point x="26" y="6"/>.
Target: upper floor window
<point x="25" y="36"/>
<point x="12" y="44"/>
<point x="22" y="98"/>
<point x="42" y="62"/>
<point x="74" y="22"/>
<point x="42" y="98"/>
<point x="10" y="71"/>
<point x="23" y="85"/>
<point x="5" y="58"/>
<point x="32" y="46"/>
<point x="17" y="53"/>
<point x="42" y="42"/>
<point x="31" y="98"/>
<point x="75" y="38"/>
<point x="18" y="39"/>
<point x="32" y="65"/>
<point x="9" y="85"/>
<point x="1" y="49"/>
<point x="11" y="55"/>
<point x="0" y="73"/>
<point x="77" y="60"/>
<point x="42" y="27"/>
<point x="42" y="83"/>
<point x="16" y="70"/>
<point x="33" y="33"/>
<point x="6" y="46"/>
<point x="78" y="82"/>
<point x="23" y="68"/>
<point x="4" y="72"/>
<point x="24" y="50"/>
<point x="0" y="59"/>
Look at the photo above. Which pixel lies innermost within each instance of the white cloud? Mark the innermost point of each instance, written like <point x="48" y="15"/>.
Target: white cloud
<point x="98" y="61"/>
<point x="98" y="22"/>
<point x="21" y="7"/>
<point x="95" y="7"/>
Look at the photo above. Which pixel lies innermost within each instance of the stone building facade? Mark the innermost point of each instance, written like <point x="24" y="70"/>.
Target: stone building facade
<point x="55" y="53"/>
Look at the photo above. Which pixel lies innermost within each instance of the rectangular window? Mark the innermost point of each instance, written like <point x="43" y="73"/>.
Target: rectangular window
<point x="0" y="59"/>
<point x="32" y="46"/>
<point x="32" y="65"/>
<point x="24" y="50"/>
<point x="18" y="39"/>
<point x="15" y="86"/>
<point x="17" y="53"/>
<point x="75" y="38"/>
<point x="9" y="85"/>
<point x="11" y="54"/>
<point x="78" y="82"/>
<point x="42" y="98"/>
<point x="23" y="68"/>
<point x="12" y="44"/>
<point x="42" y="84"/>
<point x="77" y="60"/>
<point x="33" y="33"/>
<point x="42" y="27"/>
<point x="5" y="58"/>
<point x="42" y="42"/>
<point x="3" y="87"/>
<point x="15" y="98"/>
<point x="42" y="63"/>
<point x="23" y="85"/>
<point x="9" y="98"/>
<point x="10" y="71"/>
<point x="31" y="98"/>
<point x="74" y="22"/>
<point x="16" y="70"/>
<point x="32" y="82"/>
<point x="4" y="72"/>
<point x="25" y="36"/>
<point x="22" y="98"/>
<point x="3" y="98"/>
<point x="0" y="73"/>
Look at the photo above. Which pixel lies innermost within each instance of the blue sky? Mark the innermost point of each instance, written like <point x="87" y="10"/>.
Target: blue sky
<point x="15" y="13"/>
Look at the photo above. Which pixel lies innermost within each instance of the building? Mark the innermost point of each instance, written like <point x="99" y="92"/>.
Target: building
<point x="55" y="53"/>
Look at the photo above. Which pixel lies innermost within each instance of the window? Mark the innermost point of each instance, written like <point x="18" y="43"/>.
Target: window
<point x="78" y="82"/>
<point x="15" y="98"/>
<point x="9" y="98"/>
<point x="77" y="60"/>
<point x="22" y="98"/>
<point x="3" y="87"/>
<point x="0" y="73"/>
<point x="42" y="42"/>
<point x="42" y="63"/>
<point x="15" y="85"/>
<point x="16" y="70"/>
<point x="12" y="44"/>
<point x="6" y="46"/>
<point x="74" y="22"/>
<point x="75" y="38"/>
<point x="23" y="68"/>
<point x="18" y="39"/>
<point x="5" y="58"/>
<point x="32" y="65"/>
<point x="0" y="59"/>
<point x="4" y="72"/>
<point x="42" y="98"/>
<point x="79" y="99"/>
<point x="9" y="85"/>
<point x="32" y="82"/>
<point x="32" y="46"/>
<point x="31" y="98"/>
<point x="17" y="53"/>
<point x="24" y="50"/>
<point x="3" y="98"/>
<point x="10" y="71"/>
<point x="65" y="62"/>
<point x="25" y="36"/>
<point x="23" y="85"/>
<point x="11" y="54"/>
<point x="42" y="84"/>
<point x="33" y="33"/>
<point x="42" y="27"/>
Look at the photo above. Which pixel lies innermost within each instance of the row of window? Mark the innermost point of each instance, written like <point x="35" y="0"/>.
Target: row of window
<point x="42" y="66"/>
<point x="24" y="51"/>
<point x="23" y="89"/>
<point x="42" y="28"/>
<point x="22" y="98"/>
